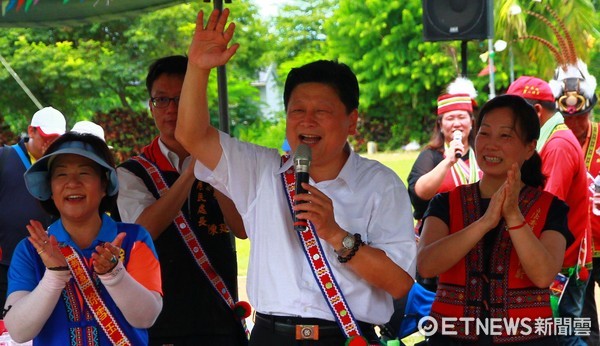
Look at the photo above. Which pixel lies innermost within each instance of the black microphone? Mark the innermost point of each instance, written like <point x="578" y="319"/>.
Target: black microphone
<point x="302" y="159"/>
<point x="457" y="136"/>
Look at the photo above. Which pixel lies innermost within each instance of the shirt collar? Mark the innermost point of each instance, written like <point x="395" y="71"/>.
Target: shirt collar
<point x="108" y="232"/>
<point x="347" y="174"/>
<point x="172" y="156"/>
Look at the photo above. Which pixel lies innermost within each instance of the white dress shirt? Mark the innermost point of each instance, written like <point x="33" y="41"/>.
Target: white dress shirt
<point x="368" y="198"/>
<point x="134" y="197"/>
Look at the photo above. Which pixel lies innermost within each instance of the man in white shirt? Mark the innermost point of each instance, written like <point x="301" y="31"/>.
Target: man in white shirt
<point x="194" y="311"/>
<point x="358" y="208"/>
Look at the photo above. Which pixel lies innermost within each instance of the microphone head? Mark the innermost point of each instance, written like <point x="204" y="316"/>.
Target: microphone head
<point x="303" y="152"/>
<point x="457" y="135"/>
<point x="302" y="158"/>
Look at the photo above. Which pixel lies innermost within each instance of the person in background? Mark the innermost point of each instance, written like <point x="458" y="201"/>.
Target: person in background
<point x="17" y="206"/>
<point x="355" y="228"/>
<point x="447" y="160"/>
<point x="195" y="311"/>
<point x="90" y="127"/>
<point x="574" y="91"/>
<point x="497" y="244"/>
<point x="87" y="279"/>
<point x="564" y="167"/>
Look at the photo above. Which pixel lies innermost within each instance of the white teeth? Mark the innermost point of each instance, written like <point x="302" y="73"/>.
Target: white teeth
<point x="494" y="159"/>
<point x="310" y="139"/>
<point x="75" y="197"/>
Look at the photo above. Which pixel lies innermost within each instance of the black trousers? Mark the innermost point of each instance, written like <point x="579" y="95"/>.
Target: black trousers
<point x="229" y="340"/>
<point x="271" y="330"/>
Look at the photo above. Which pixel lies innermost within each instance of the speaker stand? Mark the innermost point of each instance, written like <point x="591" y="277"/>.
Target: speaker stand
<point x="463" y="57"/>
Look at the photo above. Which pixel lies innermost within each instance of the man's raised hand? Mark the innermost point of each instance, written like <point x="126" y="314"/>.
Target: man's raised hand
<point x="209" y="46"/>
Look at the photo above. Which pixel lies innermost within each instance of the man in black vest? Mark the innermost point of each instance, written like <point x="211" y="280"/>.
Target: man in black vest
<point x="17" y="206"/>
<point x="194" y="312"/>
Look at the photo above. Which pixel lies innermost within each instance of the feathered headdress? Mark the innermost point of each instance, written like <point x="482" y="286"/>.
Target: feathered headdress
<point x="573" y="87"/>
<point x="462" y="85"/>
<point x="460" y="95"/>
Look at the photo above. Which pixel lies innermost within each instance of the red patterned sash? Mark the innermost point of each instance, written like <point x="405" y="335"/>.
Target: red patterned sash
<point x="192" y="242"/>
<point x="320" y="266"/>
<point x="92" y="297"/>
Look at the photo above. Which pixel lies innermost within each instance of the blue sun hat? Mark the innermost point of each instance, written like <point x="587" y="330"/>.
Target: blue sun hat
<point x="37" y="177"/>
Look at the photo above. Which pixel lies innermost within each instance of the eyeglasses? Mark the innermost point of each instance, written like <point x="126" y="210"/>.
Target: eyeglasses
<point x="163" y="102"/>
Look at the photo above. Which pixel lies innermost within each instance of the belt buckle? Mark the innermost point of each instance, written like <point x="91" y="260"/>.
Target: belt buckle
<point x="307" y="332"/>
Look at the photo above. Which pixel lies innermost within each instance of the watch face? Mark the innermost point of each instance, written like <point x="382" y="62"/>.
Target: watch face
<point x="348" y="242"/>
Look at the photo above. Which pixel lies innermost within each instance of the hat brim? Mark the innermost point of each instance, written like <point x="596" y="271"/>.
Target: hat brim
<point x="37" y="177"/>
<point x="49" y="133"/>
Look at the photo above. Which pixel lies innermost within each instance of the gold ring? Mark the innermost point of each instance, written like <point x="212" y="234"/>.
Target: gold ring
<point x="40" y="252"/>
<point x="113" y="259"/>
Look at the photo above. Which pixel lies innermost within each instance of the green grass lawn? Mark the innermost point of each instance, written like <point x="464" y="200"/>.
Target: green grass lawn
<point x="400" y="162"/>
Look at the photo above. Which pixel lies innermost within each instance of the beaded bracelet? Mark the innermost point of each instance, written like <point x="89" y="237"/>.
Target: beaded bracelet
<point x="515" y="227"/>
<point x="357" y="244"/>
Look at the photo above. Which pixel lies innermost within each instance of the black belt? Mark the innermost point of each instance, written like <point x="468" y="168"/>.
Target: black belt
<point x="289" y="325"/>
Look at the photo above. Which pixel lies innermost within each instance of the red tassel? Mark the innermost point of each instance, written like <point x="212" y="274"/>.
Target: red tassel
<point x="242" y="309"/>
<point x="584" y="274"/>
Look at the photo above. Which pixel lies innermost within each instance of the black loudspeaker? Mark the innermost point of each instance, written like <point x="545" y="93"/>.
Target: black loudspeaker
<point x="458" y="20"/>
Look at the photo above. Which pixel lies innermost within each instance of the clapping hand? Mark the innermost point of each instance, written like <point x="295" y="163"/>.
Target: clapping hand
<point x="46" y="246"/>
<point x="512" y="187"/>
<point x="107" y="255"/>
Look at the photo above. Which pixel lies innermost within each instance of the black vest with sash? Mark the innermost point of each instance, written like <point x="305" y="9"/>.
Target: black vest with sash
<point x="191" y="306"/>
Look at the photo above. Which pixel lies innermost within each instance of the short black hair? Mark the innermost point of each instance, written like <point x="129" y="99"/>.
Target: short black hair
<point x="335" y="74"/>
<point x="547" y="105"/>
<point x="174" y="64"/>
<point x="100" y="148"/>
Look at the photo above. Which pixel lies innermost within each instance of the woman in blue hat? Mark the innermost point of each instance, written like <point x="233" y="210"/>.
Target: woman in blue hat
<point x="87" y="280"/>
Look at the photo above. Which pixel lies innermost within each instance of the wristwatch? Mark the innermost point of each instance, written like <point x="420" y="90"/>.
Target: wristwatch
<point x="350" y="245"/>
<point x="347" y="245"/>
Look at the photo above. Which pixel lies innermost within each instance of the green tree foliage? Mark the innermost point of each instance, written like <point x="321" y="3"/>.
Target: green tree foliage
<point x="101" y="67"/>
<point x="268" y="133"/>
<point x="400" y="75"/>
<point x="7" y="137"/>
<point x="97" y="71"/>
<point x="299" y="33"/>
<point x="532" y="57"/>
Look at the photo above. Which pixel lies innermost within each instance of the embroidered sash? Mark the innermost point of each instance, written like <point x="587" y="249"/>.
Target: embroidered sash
<point x="463" y="173"/>
<point x="320" y="266"/>
<point x="92" y="297"/>
<point x="591" y="162"/>
<point x="190" y="239"/>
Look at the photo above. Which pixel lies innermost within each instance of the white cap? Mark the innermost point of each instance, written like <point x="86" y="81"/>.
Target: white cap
<point x="89" y="127"/>
<point x="50" y="121"/>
